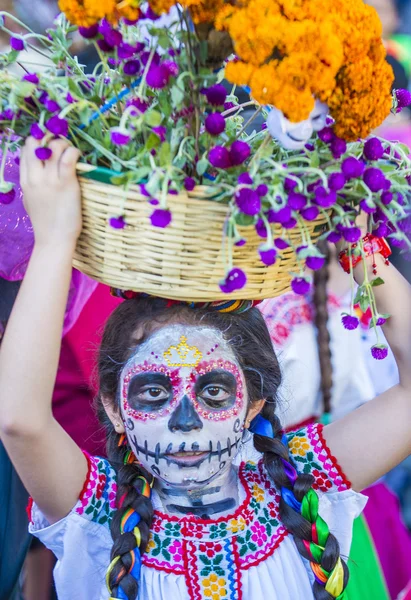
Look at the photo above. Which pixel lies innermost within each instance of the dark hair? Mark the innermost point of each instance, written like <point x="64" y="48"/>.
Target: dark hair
<point x="130" y="324"/>
<point x="320" y="300"/>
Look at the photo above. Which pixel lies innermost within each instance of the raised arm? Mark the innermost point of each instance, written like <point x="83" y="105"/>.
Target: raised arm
<point x="373" y="439"/>
<point x="50" y="464"/>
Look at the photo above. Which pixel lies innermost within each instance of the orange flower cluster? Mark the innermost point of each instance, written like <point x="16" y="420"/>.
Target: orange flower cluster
<point x="292" y="51"/>
<point x="201" y="11"/>
<point x="85" y="13"/>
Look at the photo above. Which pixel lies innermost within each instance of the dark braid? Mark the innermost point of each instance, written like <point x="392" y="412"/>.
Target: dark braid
<point x="320" y="299"/>
<point x="276" y="456"/>
<point x="130" y="324"/>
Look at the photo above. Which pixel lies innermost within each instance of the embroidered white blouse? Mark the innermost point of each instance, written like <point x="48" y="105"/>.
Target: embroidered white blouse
<point x="247" y="555"/>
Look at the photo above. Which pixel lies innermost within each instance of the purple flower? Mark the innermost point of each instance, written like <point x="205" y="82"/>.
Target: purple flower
<point x="373" y="149"/>
<point x="70" y="99"/>
<point x="296" y="201"/>
<point x="57" y="126"/>
<point x="261" y="229"/>
<point x="140" y="105"/>
<point x="352" y="167"/>
<point x="379" y="352"/>
<point x="289" y="184"/>
<point x="125" y="51"/>
<point x="245" y="178"/>
<point x="336" y="181"/>
<point x="386" y="197"/>
<point x="88" y="32"/>
<point x="350" y="322"/>
<point x="172" y="67"/>
<point x="160" y="131"/>
<point x="248" y="201"/>
<point x="131" y="67"/>
<point x="117" y="222"/>
<point x="158" y="76"/>
<point x="282" y="215"/>
<point x="216" y="94"/>
<point x="309" y="147"/>
<point x="381" y="321"/>
<point x="366" y="207"/>
<point x="374" y="178"/>
<point x="403" y="99"/>
<point x="315" y="262"/>
<point x="155" y="59"/>
<point x="281" y="244"/>
<point x="234" y="280"/>
<point x="311" y="187"/>
<point x="189" y="183"/>
<point x="43" y="153"/>
<point x="338" y="147"/>
<point x="324" y="198"/>
<point x="111" y="36"/>
<point x="268" y="254"/>
<point x="326" y="135"/>
<point x="17" y="43"/>
<point x="300" y="285"/>
<point x="51" y="105"/>
<point x="31" y="78"/>
<point x="150" y="14"/>
<point x="219" y="157"/>
<point x="154" y="202"/>
<point x="228" y="105"/>
<point x="333" y="237"/>
<point x="104" y="46"/>
<point x="351" y="234"/>
<point x="7" y="197"/>
<point x="381" y="231"/>
<point x="37" y="132"/>
<point x="262" y="190"/>
<point x="241" y="242"/>
<point x="160" y="218"/>
<point x="215" y="124"/>
<point x="119" y="136"/>
<point x="290" y="224"/>
<point x="239" y="152"/>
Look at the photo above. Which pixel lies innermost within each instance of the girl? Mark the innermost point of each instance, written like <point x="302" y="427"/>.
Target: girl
<point x="179" y="388"/>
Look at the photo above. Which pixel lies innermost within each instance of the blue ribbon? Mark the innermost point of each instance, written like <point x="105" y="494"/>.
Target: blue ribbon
<point x="290" y="499"/>
<point x="262" y="426"/>
<point x="132" y="522"/>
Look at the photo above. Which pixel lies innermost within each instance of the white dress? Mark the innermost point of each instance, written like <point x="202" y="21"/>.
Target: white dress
<point x="245" y="556"/>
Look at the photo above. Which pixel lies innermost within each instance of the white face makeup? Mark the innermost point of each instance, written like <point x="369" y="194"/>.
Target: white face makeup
<point x="183" y="403"/>
<point x="294" y="136"/>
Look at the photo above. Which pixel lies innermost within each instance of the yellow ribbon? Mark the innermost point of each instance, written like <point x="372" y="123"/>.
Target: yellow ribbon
<point x="335" y="583"/>
<point x="110" y="568"/>
<point x="137" y="535"/>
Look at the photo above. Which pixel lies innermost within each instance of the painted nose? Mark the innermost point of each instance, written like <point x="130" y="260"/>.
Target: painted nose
<point x="185" y="417"/>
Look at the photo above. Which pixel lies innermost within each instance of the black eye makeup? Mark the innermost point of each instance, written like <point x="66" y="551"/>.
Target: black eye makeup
<point x="149" y="391"/>
<point x="216" y="390"/>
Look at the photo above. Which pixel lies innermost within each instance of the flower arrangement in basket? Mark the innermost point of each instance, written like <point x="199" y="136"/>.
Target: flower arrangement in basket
<point x="185" y="198"/>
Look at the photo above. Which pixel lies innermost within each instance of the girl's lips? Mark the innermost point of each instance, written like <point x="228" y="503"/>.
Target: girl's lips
<point x="188" y="458"/>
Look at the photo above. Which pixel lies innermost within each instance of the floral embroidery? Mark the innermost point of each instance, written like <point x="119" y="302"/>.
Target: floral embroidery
<point x="214" y="587"/>
<point x="98" y="498"/>
<point x="299" y="445"/>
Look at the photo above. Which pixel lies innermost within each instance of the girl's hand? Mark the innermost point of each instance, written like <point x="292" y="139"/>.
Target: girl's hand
<point x="52" y="192"/>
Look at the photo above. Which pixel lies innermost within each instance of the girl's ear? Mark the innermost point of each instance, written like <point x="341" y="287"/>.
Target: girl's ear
<point x="253" y="411"/>
<point x="113" y="414"/>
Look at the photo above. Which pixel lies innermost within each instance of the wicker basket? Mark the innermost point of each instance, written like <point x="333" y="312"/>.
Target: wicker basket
<point x="183" y="261"/>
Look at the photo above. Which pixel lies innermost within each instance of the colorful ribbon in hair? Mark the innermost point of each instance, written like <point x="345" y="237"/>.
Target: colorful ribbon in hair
<point x="129" y="524"/>
<point x="224" y="306"/>
<point x="332" y="581"/>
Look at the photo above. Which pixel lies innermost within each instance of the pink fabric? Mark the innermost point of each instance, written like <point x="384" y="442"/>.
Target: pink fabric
<point x="16" y="246"/>
<point x="391" y="538"/>
<point x="75" y="385"/>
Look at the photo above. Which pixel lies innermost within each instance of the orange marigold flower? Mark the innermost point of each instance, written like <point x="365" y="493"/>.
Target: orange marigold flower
<point x="85" y="13"/>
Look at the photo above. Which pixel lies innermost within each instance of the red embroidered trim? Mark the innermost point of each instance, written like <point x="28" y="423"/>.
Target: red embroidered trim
<point x="191" y="577"/>
<point x="281" y="537"/>
<point x="319" y="427"/>
<point x="29" y="508"/>
<point x="87" y="480"/>
<point x="153" y="563"/>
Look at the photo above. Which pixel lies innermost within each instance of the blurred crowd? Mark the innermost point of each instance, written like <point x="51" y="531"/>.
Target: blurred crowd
<point x="74" y="381"/>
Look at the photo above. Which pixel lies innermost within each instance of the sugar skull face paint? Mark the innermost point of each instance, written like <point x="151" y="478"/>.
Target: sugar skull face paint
<point x="183" y="402"/>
